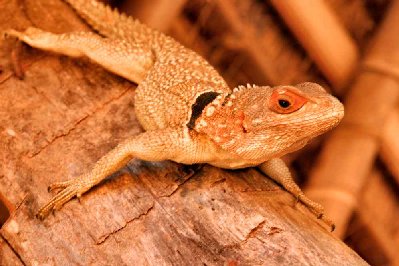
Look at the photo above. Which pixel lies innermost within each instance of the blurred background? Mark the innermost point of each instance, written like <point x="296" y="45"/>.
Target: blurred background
<point x="349" y="46"/>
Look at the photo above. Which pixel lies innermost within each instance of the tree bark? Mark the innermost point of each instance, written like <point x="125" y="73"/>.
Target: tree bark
<point x="64" y="115"/>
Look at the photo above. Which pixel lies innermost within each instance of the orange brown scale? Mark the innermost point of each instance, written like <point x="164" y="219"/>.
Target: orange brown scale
<point x="222" y="128"/>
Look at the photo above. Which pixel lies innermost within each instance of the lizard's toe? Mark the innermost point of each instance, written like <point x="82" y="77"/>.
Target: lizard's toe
<point x="44" y="211"/>
<point x="70" y="189"/>
<point x="28" y="35"/>
<point x="60" y="185"/>
<point x="327" y="221"/>
<point x="11" y="33"/>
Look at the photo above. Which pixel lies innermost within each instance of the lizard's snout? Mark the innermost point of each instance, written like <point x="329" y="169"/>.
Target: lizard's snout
<point x="338" y="109"/>
<point x="334" y="112"/>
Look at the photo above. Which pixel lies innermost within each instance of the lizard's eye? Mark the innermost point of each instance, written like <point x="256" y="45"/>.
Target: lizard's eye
<point x="286" y="100"/>
<point x="284" y="103"/>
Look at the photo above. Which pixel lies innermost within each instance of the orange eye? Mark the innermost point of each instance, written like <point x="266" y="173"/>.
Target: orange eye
<point x="285" y="101"/>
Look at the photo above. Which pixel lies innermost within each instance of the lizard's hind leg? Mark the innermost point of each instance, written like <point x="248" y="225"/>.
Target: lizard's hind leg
<point x="129" y="60"/>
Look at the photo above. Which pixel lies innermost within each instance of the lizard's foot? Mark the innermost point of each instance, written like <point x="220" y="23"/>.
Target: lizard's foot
<point x="26" y="36"/>
<point x="278" y="171"/>
<point x="70" y="189"/>
<point x="30" y="36"/>
<point x="317" y="209"/>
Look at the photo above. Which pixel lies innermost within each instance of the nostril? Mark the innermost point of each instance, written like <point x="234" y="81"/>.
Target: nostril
<point x="5" y="210"/>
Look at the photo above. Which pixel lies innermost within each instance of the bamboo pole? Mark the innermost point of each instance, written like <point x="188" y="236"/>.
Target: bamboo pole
<point x="323" y="37"/>
<point x="378" y="213"/>
<point x="348" y="155"/>
<point x="390" y="144"/>
<point x="158" y="14"/>
<point x="246" y="40"/>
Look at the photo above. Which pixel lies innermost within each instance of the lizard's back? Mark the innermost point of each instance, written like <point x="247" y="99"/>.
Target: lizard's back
<point x="178" y="76"/>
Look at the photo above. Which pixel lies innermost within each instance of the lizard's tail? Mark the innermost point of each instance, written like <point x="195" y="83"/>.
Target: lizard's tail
<point x="109" y="22"/>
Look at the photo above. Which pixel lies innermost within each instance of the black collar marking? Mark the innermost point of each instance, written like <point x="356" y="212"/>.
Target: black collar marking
<point x="200" y="103"/>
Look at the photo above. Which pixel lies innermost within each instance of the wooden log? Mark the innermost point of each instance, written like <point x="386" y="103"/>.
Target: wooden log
<point x="7" y="255"/>
<point x="323" y="37"/>
<point x="348" y="156"/>
<point x="67" y="113"/>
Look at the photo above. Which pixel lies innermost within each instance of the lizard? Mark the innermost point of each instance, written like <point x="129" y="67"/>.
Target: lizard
<point x="189" y="113"/>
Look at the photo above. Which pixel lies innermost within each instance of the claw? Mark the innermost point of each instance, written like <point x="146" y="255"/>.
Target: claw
<point x="332" y="227"/>
<point x="317" y="209"/>
<point x="3" y="35"/>
<point x="327" y="221"/>
<point x="11" y="33"/>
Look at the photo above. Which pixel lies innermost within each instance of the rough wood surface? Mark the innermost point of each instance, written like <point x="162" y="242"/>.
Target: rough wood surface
<point x="7" y="256"/>
<point x="64" y="115"/>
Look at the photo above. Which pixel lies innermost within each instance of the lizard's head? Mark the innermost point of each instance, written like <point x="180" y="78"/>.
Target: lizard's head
<point x="262" y="122"/>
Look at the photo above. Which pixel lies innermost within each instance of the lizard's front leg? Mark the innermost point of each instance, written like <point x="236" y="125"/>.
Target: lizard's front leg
<point x="278" y="171"/>
<point x="151" y="146"/>
<point x="129" y="60"/>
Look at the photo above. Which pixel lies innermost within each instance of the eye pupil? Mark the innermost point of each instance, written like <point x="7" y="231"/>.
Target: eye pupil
<point x="284" y="103"/>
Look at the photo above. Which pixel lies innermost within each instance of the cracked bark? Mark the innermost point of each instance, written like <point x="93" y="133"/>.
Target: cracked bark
<point x="64" y="115"/>
<point x="142" y="215"/>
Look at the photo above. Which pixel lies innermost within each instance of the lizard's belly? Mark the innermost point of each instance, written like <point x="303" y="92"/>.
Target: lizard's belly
<point x="227" y="160"/>
<point x="234" y="164"/>
<point x="199" y="148"/>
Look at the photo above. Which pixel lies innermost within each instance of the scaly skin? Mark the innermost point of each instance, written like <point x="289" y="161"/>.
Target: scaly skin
<point x="189" y="113"/>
